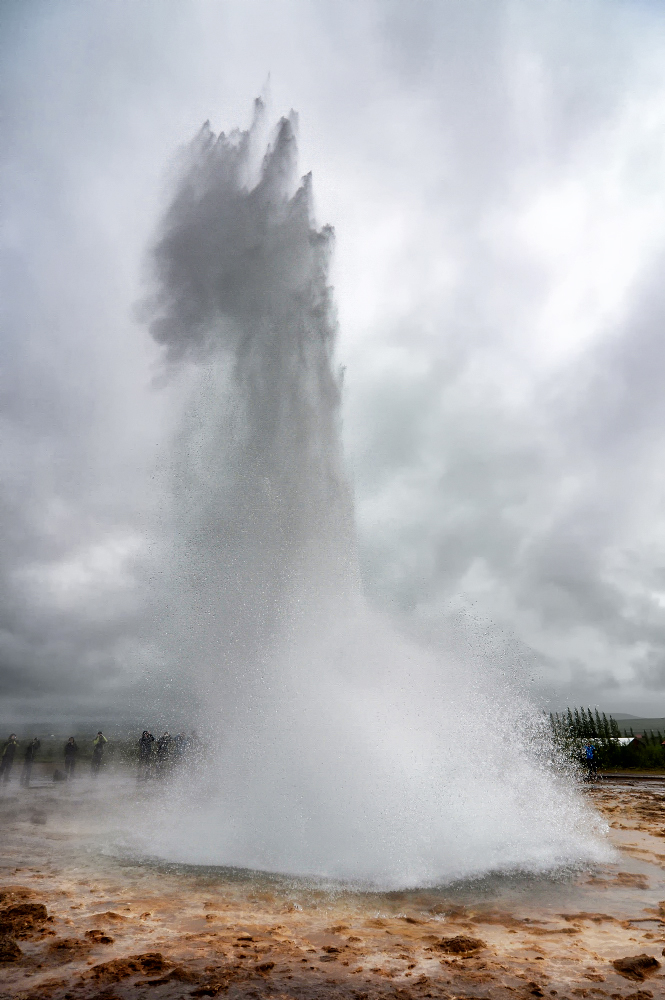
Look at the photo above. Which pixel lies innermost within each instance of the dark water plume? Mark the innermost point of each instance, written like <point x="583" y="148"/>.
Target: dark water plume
<point x="264" y="511"/>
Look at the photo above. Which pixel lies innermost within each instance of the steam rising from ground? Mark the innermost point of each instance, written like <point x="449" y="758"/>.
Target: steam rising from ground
<point x="338" y="750"/>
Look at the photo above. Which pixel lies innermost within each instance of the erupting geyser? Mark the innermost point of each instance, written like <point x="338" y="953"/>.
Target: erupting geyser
<point x="340" y="750"/>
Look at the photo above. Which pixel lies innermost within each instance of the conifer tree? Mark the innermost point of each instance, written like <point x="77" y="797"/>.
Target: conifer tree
<point x="598" y="724"/>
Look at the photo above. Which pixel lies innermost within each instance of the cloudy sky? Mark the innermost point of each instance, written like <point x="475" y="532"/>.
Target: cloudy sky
<point x="495" y="173"/>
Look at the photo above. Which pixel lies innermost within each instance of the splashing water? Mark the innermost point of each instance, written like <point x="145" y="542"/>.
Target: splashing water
<point x="338" y="749"/>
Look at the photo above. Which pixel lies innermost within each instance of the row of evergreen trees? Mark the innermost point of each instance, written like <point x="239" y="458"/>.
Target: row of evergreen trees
<point x="583" y="724"/>
<point x="576" y="726"/>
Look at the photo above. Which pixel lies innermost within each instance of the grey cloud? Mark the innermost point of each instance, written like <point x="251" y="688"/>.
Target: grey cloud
<point x="535" y="495"/>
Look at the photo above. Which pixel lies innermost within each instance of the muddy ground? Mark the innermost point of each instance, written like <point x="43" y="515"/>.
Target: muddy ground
<point x="78" y="922"/>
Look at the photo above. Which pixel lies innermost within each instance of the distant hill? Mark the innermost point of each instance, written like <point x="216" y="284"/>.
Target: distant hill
<point x="627" y="722"/>
<point x="621" y="715"/>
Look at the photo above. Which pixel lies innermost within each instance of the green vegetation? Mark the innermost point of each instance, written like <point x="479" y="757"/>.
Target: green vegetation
<point x="575" y="727"/>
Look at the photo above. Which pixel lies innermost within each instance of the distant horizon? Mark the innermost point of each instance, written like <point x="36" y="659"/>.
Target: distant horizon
<point x="125" y="727"/>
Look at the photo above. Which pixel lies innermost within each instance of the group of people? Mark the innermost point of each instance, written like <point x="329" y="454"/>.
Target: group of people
<point x="70" y="751"/>
<point x="157" y="756"/>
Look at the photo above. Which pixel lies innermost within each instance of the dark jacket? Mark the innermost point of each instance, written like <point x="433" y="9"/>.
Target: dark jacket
<point x="30" y="751"/>
<point x="145" y="746"/>
<point x="71" y="749"/>
<point x="10" y="749"/>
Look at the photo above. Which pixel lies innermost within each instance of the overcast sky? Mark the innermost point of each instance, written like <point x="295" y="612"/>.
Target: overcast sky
<point x="495" y="173"/>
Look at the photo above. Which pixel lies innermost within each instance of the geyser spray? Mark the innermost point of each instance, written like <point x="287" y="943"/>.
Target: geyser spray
<point x="338" y="750"/>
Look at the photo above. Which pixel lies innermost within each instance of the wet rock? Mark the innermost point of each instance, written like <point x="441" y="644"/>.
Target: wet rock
<point x="636" y="967"/>
<point x="209" y="991"/>
<point x="109" y="915"/>
<point x="98" y="936"/>
<point x="265" y="966"/>
<point x="639" y="995"/>
<point x="9" y="950"/>
<point x="182" y="975"/>
<point x="15" y="894"/>
<point x="67" y="949"/>
<point x="460" y="945"/>
<point x="597" y="918"/>
<point x="632" y="880"/>
<point x="22" y="919"/>
<point x="133" y="965"/>
<point x="179" y="974"/>
<point x="152" y="961"/>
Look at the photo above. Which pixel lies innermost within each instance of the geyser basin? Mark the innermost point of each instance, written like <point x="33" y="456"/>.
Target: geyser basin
<point x="558" y="933"/>
<point x="335" y="749"/>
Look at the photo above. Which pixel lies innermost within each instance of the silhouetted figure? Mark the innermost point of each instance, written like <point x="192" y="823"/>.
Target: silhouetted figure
<point x="164" y="746"/>
<point x="71" y="749"/>
<point x="178" y="746"/>
<point x="590" y="761"/>
<point x="8" y="752"/>
<point x="145" y="755"/>
<point x="28" y="760"/>
<point x="97" y="752"/>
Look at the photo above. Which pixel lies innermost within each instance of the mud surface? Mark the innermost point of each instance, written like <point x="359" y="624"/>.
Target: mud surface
<point x="78" y="920"/>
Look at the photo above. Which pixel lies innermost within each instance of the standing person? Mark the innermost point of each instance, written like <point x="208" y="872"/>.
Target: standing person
<point x="8" y="752"/>
<point x="145" y="755"/>
<point x="179" y="746"/>
<point x="97" y="752"/>
<point x="28" y="760"/>
<point x="71" y="749"/>
<point x="590" y="758"/>
<point x="163" y="752"/>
